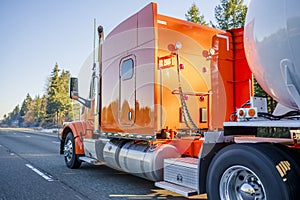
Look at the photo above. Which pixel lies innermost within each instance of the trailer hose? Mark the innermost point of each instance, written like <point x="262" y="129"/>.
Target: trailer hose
<point x="279" y="117"/>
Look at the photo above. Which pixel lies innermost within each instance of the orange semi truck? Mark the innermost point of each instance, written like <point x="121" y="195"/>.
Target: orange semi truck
<point x="172" y="101"/>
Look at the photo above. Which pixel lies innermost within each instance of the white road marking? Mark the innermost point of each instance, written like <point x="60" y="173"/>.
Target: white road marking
<point x="39" y="172"/>
<point x="46" y="134"/>
<point x="41" y="133"/>
<point x="55" y="142"/>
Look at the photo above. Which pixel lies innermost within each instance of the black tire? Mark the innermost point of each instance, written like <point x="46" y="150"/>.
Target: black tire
<point x="245" y="171"/>
<point x="71" y="159"/>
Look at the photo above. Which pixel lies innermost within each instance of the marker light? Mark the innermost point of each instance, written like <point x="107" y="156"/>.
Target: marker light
<point x="246" y="113"/>
<point x="181" y="66"/>
<point x="241" y="113"/>
<point x="201" y="98"/>
<point x="186" y="97"/>
<point x="251" y="112"/>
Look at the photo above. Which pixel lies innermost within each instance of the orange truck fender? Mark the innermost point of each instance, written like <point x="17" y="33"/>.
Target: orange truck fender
<point x="77" y="128"/>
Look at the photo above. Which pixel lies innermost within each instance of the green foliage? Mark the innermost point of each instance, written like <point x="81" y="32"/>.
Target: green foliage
<point x="230" y="14"/>
<point x="25" y="105"/>
<point x="36" y="114"/>
<point x="269" y="131"/>
<point x="24" y="108"/>
<point x="53" y="102"/>
<point x="193" y="15"/>
<point x="54" y="106"/>
<point x="259" y="92"/>
<point x="58" y="101"/>
<point x="12" y="118"/>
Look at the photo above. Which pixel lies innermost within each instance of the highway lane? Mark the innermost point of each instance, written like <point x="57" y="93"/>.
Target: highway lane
<point x="31" y="168"/>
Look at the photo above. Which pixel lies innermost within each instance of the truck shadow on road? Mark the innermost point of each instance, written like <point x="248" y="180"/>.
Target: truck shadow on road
<point x="121" y="185"/>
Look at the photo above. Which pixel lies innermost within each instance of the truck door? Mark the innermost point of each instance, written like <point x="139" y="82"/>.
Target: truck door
<point x="127" y="93"/>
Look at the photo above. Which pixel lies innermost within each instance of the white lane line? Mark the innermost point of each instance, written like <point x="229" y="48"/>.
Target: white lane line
<point x="45" y="134"/>
<point x="55" y="142"/>
<point x="40" y="133"/>
<point x="39" y="172"/>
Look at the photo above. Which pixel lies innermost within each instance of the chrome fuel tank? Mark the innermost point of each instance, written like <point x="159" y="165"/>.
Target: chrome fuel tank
<point x="138" y="158"/>
<point x="111" y="151"/>
<point x="144" y="160"/>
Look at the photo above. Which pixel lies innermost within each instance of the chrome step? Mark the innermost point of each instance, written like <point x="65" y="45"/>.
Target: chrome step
<point x="90" y="160"/>
<point x="185" y="191"/>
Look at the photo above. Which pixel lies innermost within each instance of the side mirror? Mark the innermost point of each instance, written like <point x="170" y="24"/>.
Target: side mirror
<point x="74" y="94"/>
<point x="74" y="88"/>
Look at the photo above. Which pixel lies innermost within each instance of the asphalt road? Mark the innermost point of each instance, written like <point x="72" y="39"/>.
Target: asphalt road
<point x="31" y="168"/>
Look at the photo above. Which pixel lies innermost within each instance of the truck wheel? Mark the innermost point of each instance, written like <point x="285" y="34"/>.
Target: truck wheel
<point x="71" y="159"/>
<point x="252" y="171"/>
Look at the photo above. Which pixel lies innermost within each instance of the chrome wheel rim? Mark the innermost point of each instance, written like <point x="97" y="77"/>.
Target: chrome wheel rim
<point x="240" y="183"/>
<point x="68" y="150"/>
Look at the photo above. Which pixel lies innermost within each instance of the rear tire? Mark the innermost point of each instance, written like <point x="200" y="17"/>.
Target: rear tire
<point x="71" y="158"/>
<point x="252" y="171"/>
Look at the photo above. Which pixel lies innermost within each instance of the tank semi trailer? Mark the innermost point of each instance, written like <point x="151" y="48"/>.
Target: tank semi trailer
<point x="172" y="101"/>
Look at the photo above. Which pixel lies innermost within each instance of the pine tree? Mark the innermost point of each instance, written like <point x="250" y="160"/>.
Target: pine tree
<point x="24" y="108"/>
<point x="36" y="113"/>
<point x="230" y="14"/>
<point x="12" y="119"/>
<point x="193" y="15"/>
<point x="43" y="111"/>
<point x="58" y="101"/>
<point x="259" y="92"/>
<point x="53" y="103"/>
<point x="66" y="102"/>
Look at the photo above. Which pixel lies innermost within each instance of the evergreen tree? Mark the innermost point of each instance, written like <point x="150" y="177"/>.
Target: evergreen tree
<point x="58" y="101"/>
<point x="53" y="103"/>
<point x="29" y="116"/>
<point x="36" y="113"/>
<point x="230" y="14"/>
<point x="42" y="111"/>
<point x="259" y="92"/>
<point x="24" y="108"/>
<point x="66" y="102"/>
<point x="12" y="119"/>
<point x="193" y="15"/>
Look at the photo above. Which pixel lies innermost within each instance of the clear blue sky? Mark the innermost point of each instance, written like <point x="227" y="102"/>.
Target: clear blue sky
<point x="35" y="34"/>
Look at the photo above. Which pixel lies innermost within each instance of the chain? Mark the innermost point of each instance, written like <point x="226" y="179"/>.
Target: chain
<point x="185" y="111"/>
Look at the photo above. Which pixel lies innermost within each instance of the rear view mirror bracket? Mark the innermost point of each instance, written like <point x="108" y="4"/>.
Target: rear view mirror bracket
<point x="74" y="94"/>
